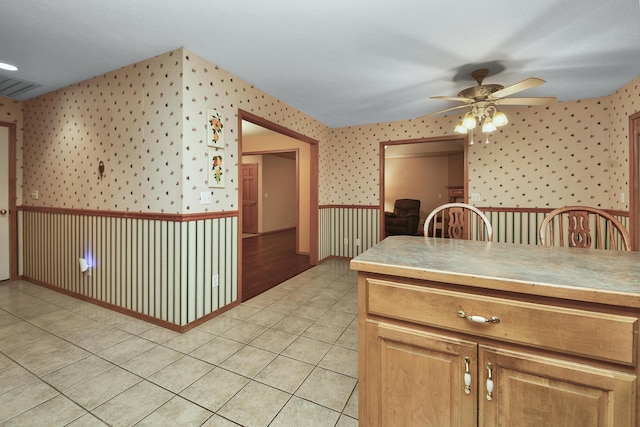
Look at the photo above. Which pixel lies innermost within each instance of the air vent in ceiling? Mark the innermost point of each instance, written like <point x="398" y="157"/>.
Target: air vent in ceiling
<point x="11" y="87"/>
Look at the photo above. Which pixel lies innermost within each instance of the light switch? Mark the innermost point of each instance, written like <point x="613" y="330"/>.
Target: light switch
<point x="205" y="198"/>
<point x="35" y="194"/>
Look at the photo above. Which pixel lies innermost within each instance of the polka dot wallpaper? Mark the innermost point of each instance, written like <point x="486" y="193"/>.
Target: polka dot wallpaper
<point x="545" y="157"/>
<point x="207" y="86"/>
<point x="146" y="123"/>
<point x="352" y="176"/>
<point x="128" y="119"/>
<point x="624" y="102"/>
<point x="572" y="152"/>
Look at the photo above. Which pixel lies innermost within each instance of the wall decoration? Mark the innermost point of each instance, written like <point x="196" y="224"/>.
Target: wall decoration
<point x="216" y="168"/>
<point x="215" y="128"/>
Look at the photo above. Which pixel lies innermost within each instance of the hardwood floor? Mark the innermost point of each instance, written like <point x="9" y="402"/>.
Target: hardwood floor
<point x="269" y="260"/>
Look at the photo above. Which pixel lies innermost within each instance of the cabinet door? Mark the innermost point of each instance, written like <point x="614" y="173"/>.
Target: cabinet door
<point x="415" y="378"/>
<point x="534" y="391"/>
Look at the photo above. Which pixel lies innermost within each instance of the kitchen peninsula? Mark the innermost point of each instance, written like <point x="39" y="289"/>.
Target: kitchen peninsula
<point x="466" y="333"/>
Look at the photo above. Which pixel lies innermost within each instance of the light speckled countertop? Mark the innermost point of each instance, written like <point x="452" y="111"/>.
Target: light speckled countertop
<point x="609" y="277"/>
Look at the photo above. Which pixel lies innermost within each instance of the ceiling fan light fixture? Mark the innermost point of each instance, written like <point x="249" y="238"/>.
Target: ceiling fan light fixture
<point x="500" y="119"/>
<point x="460" y="128"/>
<point x="488" y="126"/>
<point x="483" y="98"/>
<point x="469" y="121"/>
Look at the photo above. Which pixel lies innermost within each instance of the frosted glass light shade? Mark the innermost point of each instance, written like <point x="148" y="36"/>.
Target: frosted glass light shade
<point x="488" y="126"/>
<point x="500" y="119"/>
<point x="460" y="128"/>
<point x="469" y="121"/>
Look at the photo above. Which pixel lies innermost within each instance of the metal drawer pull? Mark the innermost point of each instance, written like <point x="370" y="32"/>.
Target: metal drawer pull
<point x="479" y="319"/>
<point x="489" y="382"/>
<point x="467" y="376"/>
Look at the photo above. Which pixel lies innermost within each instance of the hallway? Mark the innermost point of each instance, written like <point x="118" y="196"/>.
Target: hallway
<point x="270" y="259"/>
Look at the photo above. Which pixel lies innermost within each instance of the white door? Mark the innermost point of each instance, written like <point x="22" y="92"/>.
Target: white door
<point x="4" y="203"/>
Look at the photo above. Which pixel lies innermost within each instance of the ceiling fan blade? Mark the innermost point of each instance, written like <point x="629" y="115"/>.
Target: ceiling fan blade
<point x="453" y="98"/>
<point x="542" y="100"/>
<point x="448" y="109"/>
<point x="518" y="87"/>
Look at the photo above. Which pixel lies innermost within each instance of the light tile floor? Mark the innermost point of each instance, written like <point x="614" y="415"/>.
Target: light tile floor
<point x="287" y="357"/>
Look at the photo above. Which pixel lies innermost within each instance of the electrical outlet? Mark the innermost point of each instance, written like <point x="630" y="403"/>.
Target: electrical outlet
<point x="346" y="241"/>
<point x="357" y="242"/>
<point x="475" y="197"/>
<point x="214" y="281"/>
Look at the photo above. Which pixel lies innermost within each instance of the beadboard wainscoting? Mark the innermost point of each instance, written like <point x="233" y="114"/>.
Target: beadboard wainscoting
<point x="521" y="225"/>
<point x="342" y="226"/>
<point x="159" y="266"/>
<point x="515" y="225"/>
<point x="347" y="231"/>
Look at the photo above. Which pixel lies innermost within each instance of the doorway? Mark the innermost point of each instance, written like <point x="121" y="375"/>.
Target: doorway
<point x="8" y="238"/>
<point x="303" y="231"/>
<point x="433" y="170"/>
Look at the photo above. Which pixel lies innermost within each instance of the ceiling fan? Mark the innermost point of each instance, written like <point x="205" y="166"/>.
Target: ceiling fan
<point x="483" y="99"/>
<point x="495" y="93"/>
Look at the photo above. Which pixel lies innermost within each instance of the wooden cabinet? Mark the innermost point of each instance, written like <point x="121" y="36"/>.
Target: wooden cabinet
<point x="533" y="390"/>
<point x="415" y="378"/>
<point x="435" y="354"/>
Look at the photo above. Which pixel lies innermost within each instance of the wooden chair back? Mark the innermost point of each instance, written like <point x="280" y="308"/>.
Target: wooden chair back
<point x="458" y="221"/>
<point x="583" y="227"/>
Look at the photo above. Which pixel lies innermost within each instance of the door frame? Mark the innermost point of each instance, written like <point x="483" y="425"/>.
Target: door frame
<point x="13" y="221"/>
<point x="381" y="150"/>
<point x="313" y="183"/>
<point x="634" y="177"/>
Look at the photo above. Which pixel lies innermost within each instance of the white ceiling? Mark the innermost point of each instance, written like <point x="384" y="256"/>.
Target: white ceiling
<point x="343" y="62"/>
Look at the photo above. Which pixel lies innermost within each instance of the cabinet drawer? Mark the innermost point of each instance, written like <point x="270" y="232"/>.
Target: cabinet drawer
<point x="594" y="334"/>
